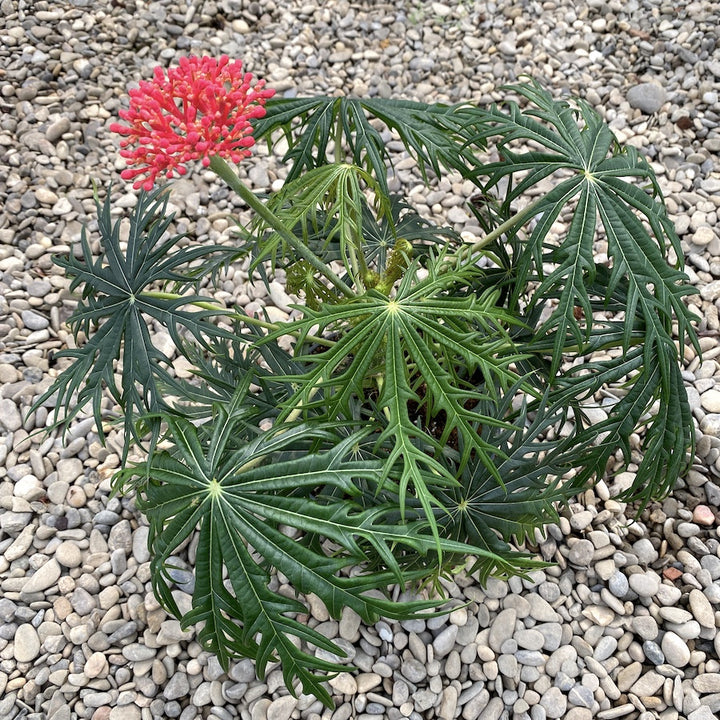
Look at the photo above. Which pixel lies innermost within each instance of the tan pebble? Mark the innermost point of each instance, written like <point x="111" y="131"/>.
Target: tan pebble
<point x="62" y="608"/>
<point x="702" y="608"/>
<point x="703" y="515"/>
<point x="344" y="683"/>
<point x="703" y="236"/>
<point x="96" y="665"/>
<point x="710" y="401"/>
<point x="76" y="497"/>
<point x="367" y="681"/>
<point x="68" y="554"/>
<point x="46" y="196"/>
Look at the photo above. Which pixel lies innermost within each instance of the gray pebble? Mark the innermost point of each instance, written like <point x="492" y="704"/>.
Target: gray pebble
<point x="618" y="584"/>
<point x="653" y="652"/>
<point x="413" y="670"/>
<point x="445" y="641"/>
<point x="581" y="696"/>
<point x="502" y="628"/>
<point x="554" y="702"/>
<point x="648" y="97"/>
<point x="136" y="652"/>
<point x="530" y="657"/>
<point x="10" y="417"/>
<point x="26" y="643"/>
<point x="644" y="584"/>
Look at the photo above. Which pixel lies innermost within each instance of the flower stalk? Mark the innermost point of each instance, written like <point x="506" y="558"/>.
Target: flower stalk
<point x="226" y="173"/>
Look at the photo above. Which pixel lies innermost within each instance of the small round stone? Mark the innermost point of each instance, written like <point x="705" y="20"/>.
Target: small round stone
<point x="653" y="652"/>
<point x="68" y="554"/>
<point x="581" y="553"/>
<point x="618" y="584"/>
<point x="644" y="584"/>
<point x="676" y="650"/>
<point x="26" y="643"/>
<point x="703" y="515"/>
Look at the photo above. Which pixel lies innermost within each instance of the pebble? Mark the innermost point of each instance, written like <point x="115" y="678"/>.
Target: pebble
<point x="344" y="683"/>
<point x="96" y="665"/>
<point x="502" y="628"/>
<point x="644" y="584"/>
<point x="676" y="650"/>
<point x="177" y="686"/>
<point x="707" y="682"/>
<point x="413" y="670"/>
<point x="26" y="643"/>
<point x="653" y="652"/>
<point x="618" y="584"/>
<point x="648" y="684"/>
<point x="703" y="515"/>
<point x="445" y="641"/>
<point x="10" y="417"/>
<point x="349" y="624"/>
<point x="282" y="708"/>
<point x="648" y="97"/>
<point x="137" y="653"/>
<point x="43" y="578"/>
<point x="701" y="608"/>
<point x="581" y="553"/>
<point x="68" y="554"/>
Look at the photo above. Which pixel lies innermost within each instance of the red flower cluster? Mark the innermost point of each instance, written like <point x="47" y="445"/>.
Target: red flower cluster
<point x="203" y="108"/>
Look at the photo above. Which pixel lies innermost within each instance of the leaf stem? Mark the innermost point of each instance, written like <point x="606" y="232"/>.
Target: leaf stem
<point x="466" y="252"/>
<point x="225" y="173"/>
<point x="243" y="317"/>
<point x="293" y="415"/>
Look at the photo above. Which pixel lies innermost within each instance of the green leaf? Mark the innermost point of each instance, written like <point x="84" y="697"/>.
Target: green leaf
<point x="414" y="352"/>
<point x="565" y="294"/>
<point x="434" y="135"/>
<point x="237" y="494"/>
<point x="489" y="514"/>
<point x="326" y="202"/>
<point x="381" y="234"/>
<point x="115" y="310"/>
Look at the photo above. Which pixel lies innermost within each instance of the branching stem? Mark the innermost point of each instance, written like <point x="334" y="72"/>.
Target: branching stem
<point x="468" y="251"/>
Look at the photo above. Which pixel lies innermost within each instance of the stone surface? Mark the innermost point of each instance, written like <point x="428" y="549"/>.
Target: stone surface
<point x="630" y="608"/>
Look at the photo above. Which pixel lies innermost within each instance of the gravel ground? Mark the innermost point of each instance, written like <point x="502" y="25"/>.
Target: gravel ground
<point x="623" y="626"/>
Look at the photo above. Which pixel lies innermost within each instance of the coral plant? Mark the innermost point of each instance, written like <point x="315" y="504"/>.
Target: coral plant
<point x="430" y="400"/>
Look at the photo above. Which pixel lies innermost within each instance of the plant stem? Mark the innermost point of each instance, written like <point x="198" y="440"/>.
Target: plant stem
<point x="225" y="172"/>
<point x="466" y="252"/>
<point x="290" y="417"/>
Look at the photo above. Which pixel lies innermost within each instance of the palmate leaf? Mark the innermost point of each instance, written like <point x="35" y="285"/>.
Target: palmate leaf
<point x="598" y="187"/>
<point x="420" y="345"/>
<point x="489" y="514"/>
<point x="668" y="433"/>
<point x="380" y="234"/>
<point x="326" y="204"/>
<point x="432" y="134"/>
<point x="236" y="494"/>
<point x="114" y="312"/>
